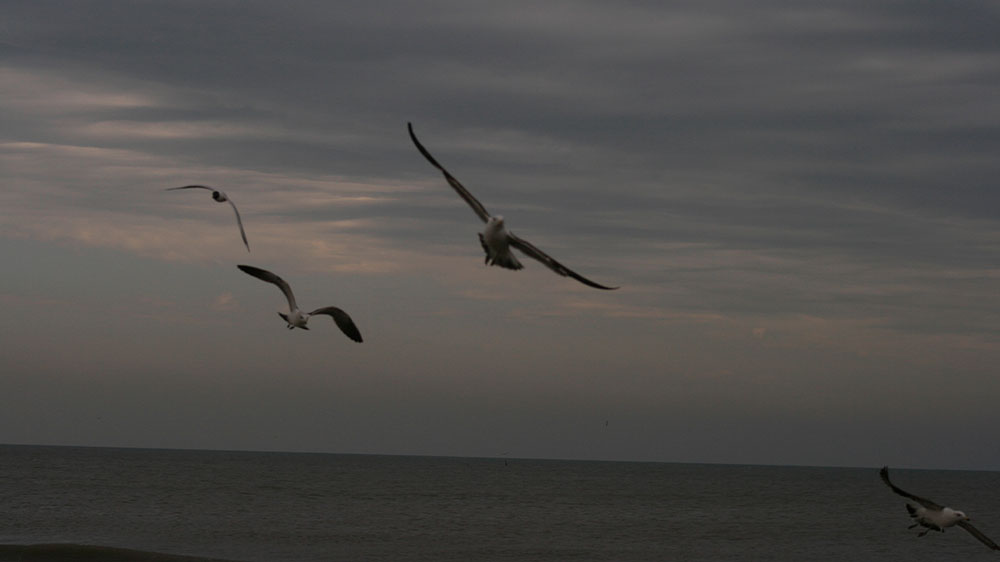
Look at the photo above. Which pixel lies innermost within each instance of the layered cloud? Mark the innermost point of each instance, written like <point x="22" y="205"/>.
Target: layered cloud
<point x="770" y="184"/>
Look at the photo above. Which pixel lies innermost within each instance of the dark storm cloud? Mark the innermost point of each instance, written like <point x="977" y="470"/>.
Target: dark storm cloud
<point x="619" y="106"/>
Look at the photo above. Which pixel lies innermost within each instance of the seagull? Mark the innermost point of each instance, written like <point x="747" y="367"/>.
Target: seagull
<point x="295" y="317"/>
<point x="495" y="238"/>
<point x="220" y="196"/>
<point x="934" y="517"/>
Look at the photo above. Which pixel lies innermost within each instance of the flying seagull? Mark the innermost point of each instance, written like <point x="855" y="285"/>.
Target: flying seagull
<point x="295" y="317"/>
<point x="934" y="517"/>
<point x="220" y="196"/>
<point x="495" y="238"/>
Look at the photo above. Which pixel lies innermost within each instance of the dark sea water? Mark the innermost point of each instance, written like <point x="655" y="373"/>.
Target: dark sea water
<point x="272" y="507"/>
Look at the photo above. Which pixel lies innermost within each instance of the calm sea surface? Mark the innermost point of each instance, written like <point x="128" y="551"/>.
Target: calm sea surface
<point x="270" y="507"/>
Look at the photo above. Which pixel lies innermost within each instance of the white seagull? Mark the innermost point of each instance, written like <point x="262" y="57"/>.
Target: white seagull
<point x="495" y="238"/>
<point x="295" y="317"/>
<point x="932" y="516"/>
<point x="220" y="196"/>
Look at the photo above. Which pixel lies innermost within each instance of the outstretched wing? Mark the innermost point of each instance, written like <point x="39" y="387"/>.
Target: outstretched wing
<point x="464" y="193"/>
<point x="265" y="275"/>
<point x="343" y="321"/>
<point x="551" y="263"/>
<point x="190" y="187"/>
<point x="978" y="534"/>
<point x="884" y="473"/>
<point x="220" y="197"/>
<point x="239" y="222"/>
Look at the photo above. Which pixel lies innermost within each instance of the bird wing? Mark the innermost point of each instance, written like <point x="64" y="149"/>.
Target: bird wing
<point x="978" y="534"/>
<point x="239" y="222"/>
<point x="464" y="193"/>
<point x="343" y="321"/>
<point x="884" y="473"/>
<point x="190" y="187"/>
<point x="550" y="262"/>
<point x="265" y="275"/>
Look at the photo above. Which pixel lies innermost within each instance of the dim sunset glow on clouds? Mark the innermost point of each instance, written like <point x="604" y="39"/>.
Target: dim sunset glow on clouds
<point x="798" y="204"/>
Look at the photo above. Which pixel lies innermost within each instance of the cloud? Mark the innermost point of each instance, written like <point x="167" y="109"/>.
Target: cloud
<point x="224" y="302"/>
<point x="797" y="201"/>
<point x="51" y="93"/>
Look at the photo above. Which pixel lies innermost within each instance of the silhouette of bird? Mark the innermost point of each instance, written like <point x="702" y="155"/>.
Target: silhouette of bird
<point x="221" y="197"/>
<point x="934" y="517"/>
<point x="495" y="238"/>
<point x="295" y="317"/>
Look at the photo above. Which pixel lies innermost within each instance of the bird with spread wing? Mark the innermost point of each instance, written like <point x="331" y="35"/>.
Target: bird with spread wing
<point x="934" y="517"/>
<point x="295" y="317"/>
<point x="220" y="197"/>
<point x="495" y="238"/>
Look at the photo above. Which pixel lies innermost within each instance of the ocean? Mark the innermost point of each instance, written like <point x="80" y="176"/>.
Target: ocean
<point x="160" y="505"/>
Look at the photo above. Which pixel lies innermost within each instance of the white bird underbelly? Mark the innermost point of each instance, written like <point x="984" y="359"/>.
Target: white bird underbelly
<point x="296" y="319"/>
<point x="496" y="244"/>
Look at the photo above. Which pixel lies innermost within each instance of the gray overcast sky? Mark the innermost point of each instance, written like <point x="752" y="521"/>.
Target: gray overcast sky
<point x="797" y="198"/>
